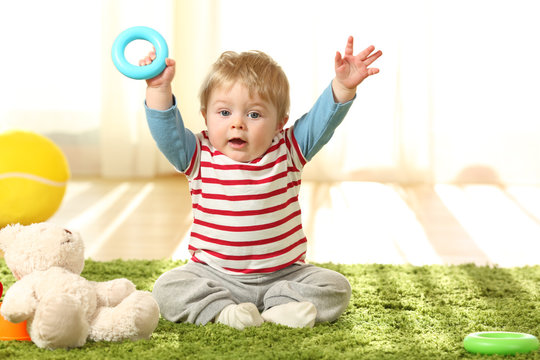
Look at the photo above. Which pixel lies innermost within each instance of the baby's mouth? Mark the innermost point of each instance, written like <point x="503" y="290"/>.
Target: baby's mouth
<point x="237" y="142"/>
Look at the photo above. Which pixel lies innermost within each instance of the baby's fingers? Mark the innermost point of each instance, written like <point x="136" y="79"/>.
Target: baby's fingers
<point x="349" y="46"/>
<point x="147" y="60"/>
<point x="373" y="71"/>
<point x="372" y="58"/>
<point x="338" y="60"/>
<point x="363" y="55"/>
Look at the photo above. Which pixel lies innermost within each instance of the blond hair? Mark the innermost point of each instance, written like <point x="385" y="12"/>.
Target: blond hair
<point x="257" y="71"/>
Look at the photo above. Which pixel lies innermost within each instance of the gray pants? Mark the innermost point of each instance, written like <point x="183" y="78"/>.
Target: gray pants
<point x="196" y="293"/>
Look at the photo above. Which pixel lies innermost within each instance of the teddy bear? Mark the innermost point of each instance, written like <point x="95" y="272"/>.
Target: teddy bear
<point x="62" y="308"/>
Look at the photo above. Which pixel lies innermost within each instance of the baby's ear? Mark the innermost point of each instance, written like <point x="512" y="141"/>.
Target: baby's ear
<point x="203" y="113"/>
<point x="282" y="123"/>
<point x="7" y="234"/>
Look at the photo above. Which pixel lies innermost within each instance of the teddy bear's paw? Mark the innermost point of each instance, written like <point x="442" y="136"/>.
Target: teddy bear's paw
<point x="145" y="311"/>
<point x="15" y="310"/>
<point x="59" y="323"/>
<point x="111" y="293"/>
<point x="136" y="317"/>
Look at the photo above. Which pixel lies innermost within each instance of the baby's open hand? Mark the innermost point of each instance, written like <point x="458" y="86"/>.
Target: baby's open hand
<point x="351" y="69"/>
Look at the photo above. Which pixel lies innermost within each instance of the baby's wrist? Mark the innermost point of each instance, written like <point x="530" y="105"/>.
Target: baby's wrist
<point x="163" y="88"/>
<point x="159" y="97"/>
<point x="342" y="94"/>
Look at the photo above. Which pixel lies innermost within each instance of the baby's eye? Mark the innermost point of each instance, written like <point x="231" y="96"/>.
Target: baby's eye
<point x="225" y="113"/>
<point x="254" y="115"/>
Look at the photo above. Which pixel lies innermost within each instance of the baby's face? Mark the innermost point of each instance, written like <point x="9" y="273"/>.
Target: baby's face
<point x="240" y="126"/>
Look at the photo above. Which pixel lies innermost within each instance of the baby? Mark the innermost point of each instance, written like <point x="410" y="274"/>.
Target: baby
<point x="247" y="244"/>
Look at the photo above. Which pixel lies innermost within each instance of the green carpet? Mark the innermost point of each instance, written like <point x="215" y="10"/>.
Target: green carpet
<point x="396" y="312"/>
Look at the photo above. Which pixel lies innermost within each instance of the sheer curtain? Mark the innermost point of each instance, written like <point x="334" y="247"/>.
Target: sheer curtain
<point x="59" y="81"/>
<point x="51" y="74"/>
<point x="455" y="100"/>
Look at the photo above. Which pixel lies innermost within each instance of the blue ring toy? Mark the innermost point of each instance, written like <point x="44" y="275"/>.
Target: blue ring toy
<point x="134" y="71"/>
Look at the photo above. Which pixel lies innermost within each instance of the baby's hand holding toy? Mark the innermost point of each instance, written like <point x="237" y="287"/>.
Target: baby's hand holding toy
<point x="165" y="77"/>
<point x="154" y="67"/>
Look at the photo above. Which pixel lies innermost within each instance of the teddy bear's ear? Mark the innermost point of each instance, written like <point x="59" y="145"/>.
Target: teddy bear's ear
<point x="7" y="234"/>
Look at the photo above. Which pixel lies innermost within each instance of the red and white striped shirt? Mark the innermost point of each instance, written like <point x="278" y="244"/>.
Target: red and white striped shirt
<point x="247" y="216"/>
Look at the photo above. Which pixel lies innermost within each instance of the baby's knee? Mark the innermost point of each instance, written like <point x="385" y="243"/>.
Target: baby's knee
<point x="337" y="299"/>
<point x="160" y="286"/>
<point x="167" y="289"/>
<point x="184" y="296"/>
<point x="345" y="285"/>
<point x="338" y="283"/>
<point x="344" y="291"/>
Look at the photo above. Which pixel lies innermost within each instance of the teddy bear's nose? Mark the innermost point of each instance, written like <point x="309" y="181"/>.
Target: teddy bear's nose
<point x="66" y="230"/>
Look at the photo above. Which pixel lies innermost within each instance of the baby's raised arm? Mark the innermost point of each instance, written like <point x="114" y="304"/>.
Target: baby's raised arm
<point x="159" y="89"/>
<point x="351" y="70"/>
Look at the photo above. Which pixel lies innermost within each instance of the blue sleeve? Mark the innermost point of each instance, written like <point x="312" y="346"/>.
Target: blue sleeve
<point x="177" y="143"/>
<point x="313" y="130"/>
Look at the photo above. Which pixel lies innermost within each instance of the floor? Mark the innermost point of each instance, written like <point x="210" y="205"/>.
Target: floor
<point x="346" y="222"/>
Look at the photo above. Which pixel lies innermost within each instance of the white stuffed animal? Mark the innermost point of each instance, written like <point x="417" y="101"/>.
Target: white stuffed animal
<point x="62" y="308"/>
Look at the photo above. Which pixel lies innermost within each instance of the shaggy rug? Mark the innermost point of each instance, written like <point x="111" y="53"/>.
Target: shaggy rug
<point x="396" y="312"/>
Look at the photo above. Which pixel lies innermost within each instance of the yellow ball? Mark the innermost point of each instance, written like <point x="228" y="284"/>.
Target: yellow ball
<point x="33" y="178"/>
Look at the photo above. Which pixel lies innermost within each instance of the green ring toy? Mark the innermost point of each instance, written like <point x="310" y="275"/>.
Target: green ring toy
<point x="500" y="343"/>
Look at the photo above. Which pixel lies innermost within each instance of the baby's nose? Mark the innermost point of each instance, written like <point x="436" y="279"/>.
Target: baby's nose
<point x="237" y="122"/>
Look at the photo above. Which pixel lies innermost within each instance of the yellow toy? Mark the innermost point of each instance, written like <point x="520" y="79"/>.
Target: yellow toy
<point x="33" y="177"/>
